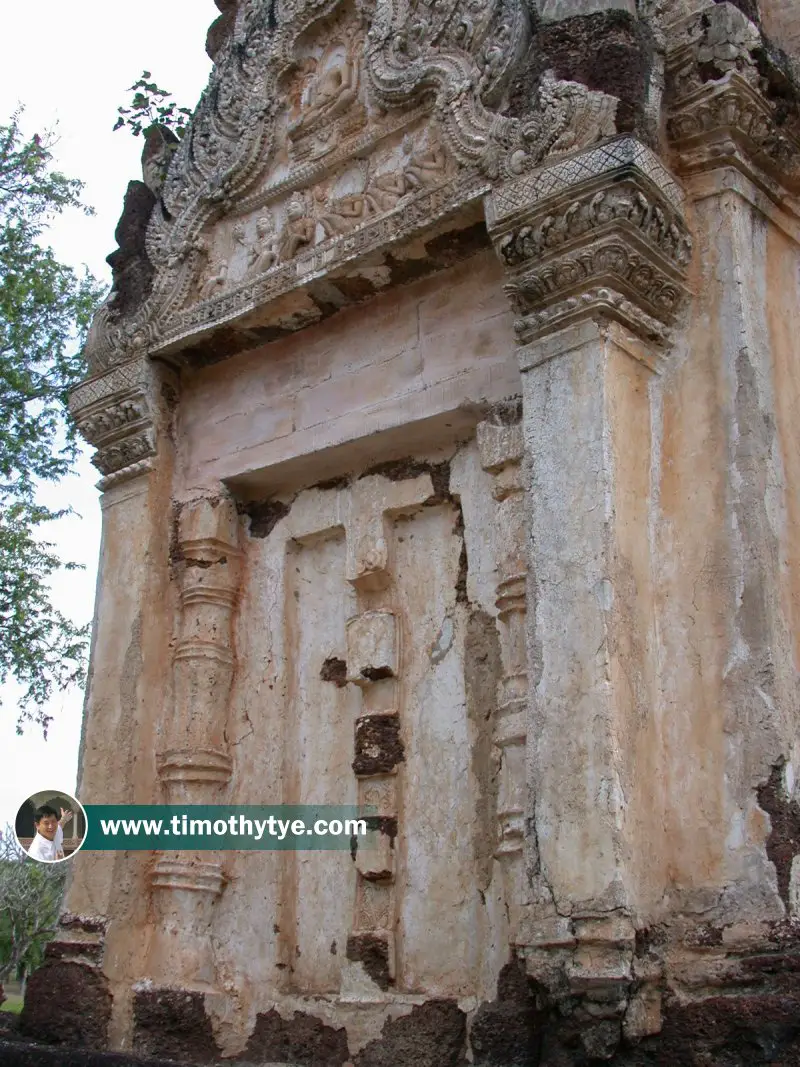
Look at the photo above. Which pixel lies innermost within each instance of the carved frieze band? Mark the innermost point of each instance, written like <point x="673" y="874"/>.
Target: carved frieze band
<point x="731" y="122"/>
<point x="603" y="234"/>
<point x="223" y="303"/>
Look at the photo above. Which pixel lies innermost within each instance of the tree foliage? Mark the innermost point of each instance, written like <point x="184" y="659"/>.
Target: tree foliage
<point x="45" y="309"/>
<point x="152" y="106"/>
<point x="30" y="899"/>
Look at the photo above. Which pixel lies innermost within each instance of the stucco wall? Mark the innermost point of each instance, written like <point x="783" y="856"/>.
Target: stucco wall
<point x="725" y="530"/>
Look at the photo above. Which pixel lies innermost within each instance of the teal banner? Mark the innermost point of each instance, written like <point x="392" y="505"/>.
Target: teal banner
<point x="170" y="828"/>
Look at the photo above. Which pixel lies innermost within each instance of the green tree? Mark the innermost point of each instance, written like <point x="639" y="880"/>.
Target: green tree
<point x="30" y="899"/>
<point x="45" y="309"/>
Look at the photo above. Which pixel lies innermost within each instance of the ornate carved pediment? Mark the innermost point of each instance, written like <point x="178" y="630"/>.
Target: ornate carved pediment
<point x="331" y="130"/>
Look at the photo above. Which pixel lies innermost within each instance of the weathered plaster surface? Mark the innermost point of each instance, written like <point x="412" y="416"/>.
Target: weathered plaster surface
<point x="728" y="661"/>
<point x="781" y="21"/>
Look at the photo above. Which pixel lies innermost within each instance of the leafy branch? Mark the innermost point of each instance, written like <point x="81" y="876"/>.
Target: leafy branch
<point x="152" y="106"/>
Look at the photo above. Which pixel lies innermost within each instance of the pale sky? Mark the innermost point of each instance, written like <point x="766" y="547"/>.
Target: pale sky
<point x="71" y="64"/>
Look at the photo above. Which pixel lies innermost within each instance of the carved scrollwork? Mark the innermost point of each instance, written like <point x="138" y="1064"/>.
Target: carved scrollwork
<point x="116" y="414"/>
<point x="125" y="453"/>
<point x="97" y="427"/>
<point x="612" y="261"/>
<point x="731" y="119"/>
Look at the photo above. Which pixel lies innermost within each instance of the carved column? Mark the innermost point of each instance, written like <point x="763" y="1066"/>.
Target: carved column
<point x="501" y="451"/>
<point x="596" y="251"/>
<point x="194" y="767"/>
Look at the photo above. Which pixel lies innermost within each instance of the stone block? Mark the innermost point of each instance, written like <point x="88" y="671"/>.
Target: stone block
<point x="643" y="1016"/>
<point x="375" y="855"/>
<point x="499" y="445"/>
<point x="371" y="647"/>
<point x="592" y="966"/>
<point x="554" y="932"/>
<point x="359" y="390"/>
<point x="208" y="528"/>
<point x="554" y="10"/>
<point x="604" y="930"/>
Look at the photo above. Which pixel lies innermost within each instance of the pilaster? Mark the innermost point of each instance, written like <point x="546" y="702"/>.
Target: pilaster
<point x="597" y="253"/>
<point x="126" y="413"/>
<point x="733" y="122"/>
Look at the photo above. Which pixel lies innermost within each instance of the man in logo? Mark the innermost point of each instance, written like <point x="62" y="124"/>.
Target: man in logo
<point x="48" y="845"/>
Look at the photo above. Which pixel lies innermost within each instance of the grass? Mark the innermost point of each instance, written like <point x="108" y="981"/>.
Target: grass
<point x="13" y="1004"/>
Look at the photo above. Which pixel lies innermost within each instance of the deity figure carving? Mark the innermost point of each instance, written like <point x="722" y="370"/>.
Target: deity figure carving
<point x="385" y="191"/>
<point x="426" y="165"/>
<point x="332" y="90"/>
<point x="494" y="56"/>
<point x="298" y="230"/>
<point x="215" y="280"/>
<point x="239" y="234"/>
<point x="423" y="168"/>
<point x="262" y="252"/>
<point x="344" y="213"/>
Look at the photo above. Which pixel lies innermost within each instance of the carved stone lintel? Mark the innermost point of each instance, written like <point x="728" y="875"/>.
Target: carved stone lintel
<point x="281" y="74"/>
<point x="600" y="234"/>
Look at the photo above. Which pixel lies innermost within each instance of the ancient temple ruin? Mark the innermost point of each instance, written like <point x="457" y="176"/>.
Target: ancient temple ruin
<point x="446" y="409"/>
